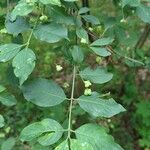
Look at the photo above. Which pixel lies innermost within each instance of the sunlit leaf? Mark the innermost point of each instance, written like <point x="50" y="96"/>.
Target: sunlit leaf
<point x="22" y="9"/>
<point x="74" y="145"/>
<point x="99" y="107"/>
<point x="24" y="63"/>
<point x="97" y="137"/>
<point x="47" y="132"/>
<point x="8" y="51"/>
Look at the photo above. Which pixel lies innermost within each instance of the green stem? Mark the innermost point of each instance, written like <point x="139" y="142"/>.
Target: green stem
<point x="8" y="6"/>
<point x="71" y="103"/>
<point x="31" y="33"/>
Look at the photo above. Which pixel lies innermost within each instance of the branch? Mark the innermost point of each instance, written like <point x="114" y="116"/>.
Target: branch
<point x="143" y="37"/>
<point x="71" y="103"/>
<point x="110" y="49"/>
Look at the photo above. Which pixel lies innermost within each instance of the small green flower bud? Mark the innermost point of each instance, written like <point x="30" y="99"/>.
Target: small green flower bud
<point x="59" y="67"/>
<point x="43" y="18"/>
<point x="128" y="48"/>
<point x="28" y="1"/>
<point x="123" y="20"/>
<point x="3" y="31"/>
<point x="98" y="59"/>
<point x="65" y="85"/>
<point x="83" y="40"/>
<point x="87" y="83"/>
<point x="91" y="29"/>
<point x="7" y="130"/>
<point x="109" y="120"/>
<point x="87" y="92"/>
<point x="2" y="135"/>
<point x="31" y="4"/>
<point x="99" y="29"/>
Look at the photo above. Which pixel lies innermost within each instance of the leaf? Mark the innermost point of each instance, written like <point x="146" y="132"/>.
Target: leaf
<point x="83" y="10"/>
<point x="101" y="51"/>
<point x="98" y="75"/>
<point x="91" y="19"/>
<point x="47" y="132"/>
<point x="97" y="137"/>
<point x="8" y="51"/>
<point x="2" y="121"/>
<point x="99" y="107"/>
<point x="133" y="3"/>
<point x="38" y="146"/>
<point x="102" y="42"/>
<point x="24" y="64"/>
<point x="43" y="92"/>
<point x="63" y="146"/>
<point x="18" y="26"/>
<point x="51" y="33"/>
<point x="82" y="34"/>
<point x="52" y="2"/>
<point x="74" y="145"/>
<point x="8" y="144"/>
<point x="70" y="0"/>
<point x="143" y="13"/>
<point x="59" y="15"/>
<point x="2" y="88"/>
<point x="22" y="9"/>
<point x="8" y="99"/>
<point x="77" y="54"/>
<point x="80" y="145"/>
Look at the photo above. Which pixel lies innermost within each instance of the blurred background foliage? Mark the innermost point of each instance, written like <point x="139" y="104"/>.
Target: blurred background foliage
<point x="130" y="85"/>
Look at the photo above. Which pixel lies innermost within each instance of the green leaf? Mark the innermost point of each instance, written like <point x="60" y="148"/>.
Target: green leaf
<point x="101" y="51"/>
<point x="52" y="2"/>
<point x="2" y="121"/>
<point x="22" y="9"/>
<point x="38" y="146"/>
<point x="91" y="19"/>
<point x="143" y="13"/>
<point x="8" y="144"/>
<point x="47" y="132"/>
<point x="82" y="34"/>
<point x="18" y="26"/>
<point x="24" y="63"/>
<point x="74" y="145"/>
<point x="8" y="99"/>
<point x="102" y="42"/>
<point x="133" y="3"/>
<point x="99" y="107"/>
<point x="2" y="88"/>
<point x="70" y="0"/>
<point x="59" y="15"/>
<point x="98" y="75"/>
<point x="77" y="54"/>
<point x="97" y="137"/>
<point x="83" y="10"/>
<point x="51" y="33"/>
<point x="63" y="146"/>
<point x="8" y="51"/>
<point x="43" y="93"/>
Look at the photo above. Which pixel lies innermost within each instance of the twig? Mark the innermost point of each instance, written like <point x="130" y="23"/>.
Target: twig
<point x="71" y="103"/>
<point x="143" y="37"/>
